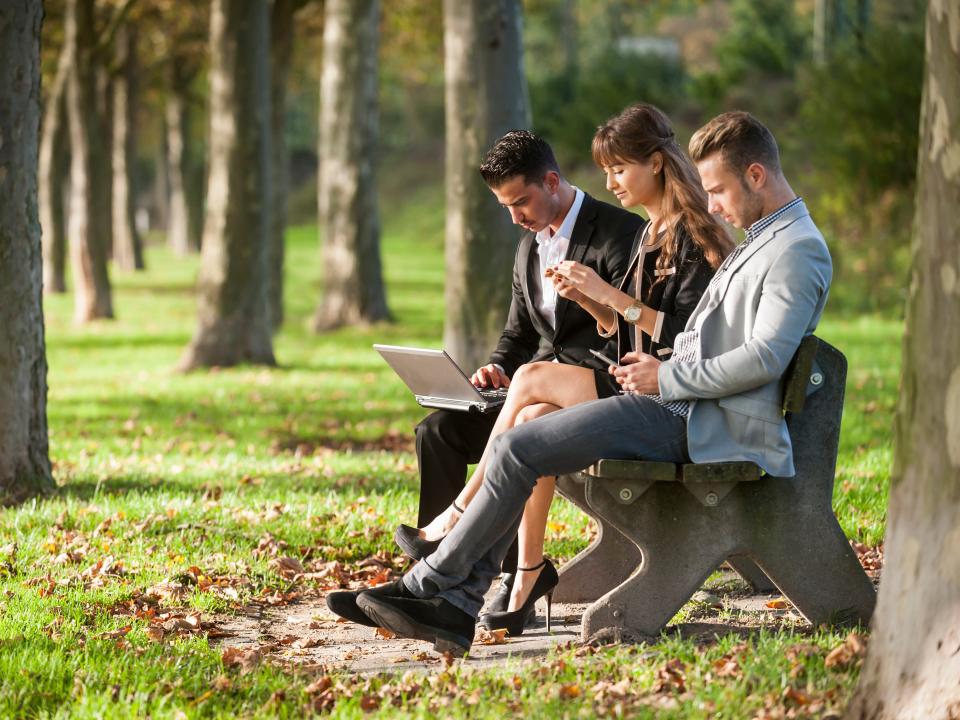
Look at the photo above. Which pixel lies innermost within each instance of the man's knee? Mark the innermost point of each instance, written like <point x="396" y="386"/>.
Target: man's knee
<point x="442" y="425"/>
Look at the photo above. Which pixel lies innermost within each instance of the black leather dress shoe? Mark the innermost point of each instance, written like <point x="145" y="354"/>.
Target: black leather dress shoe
<point x="409" y="540"/>
<point x="434" y="620"/>
<point x="500" y="601"/>
<point x="344" y="602"/>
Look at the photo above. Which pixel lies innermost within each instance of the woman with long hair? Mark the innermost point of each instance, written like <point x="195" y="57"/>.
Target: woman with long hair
<point x="673" y="259"/>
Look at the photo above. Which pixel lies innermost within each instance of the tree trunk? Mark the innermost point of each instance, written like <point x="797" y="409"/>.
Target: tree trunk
<point x="913" y="665"/>
<point x="160" y="219"/>
<point x="24" y="462"/>
<point x="183" y="230"/>
<point x="103" y="166"/>
<point x="53" y="168"/>
<point x="233" y="322"/>
<point x="127" y="247"/>
<point x="281" y="47"/>
<point x="86" y="228"/>
<point x="353" y="291"/>
<point x="486" y="95"/>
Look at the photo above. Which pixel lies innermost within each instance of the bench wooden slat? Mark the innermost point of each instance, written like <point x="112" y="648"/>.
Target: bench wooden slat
<point x="720" y="472"/>
<point x="633" y="470"/>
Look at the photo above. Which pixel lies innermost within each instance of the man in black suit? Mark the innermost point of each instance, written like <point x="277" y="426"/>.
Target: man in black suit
<point x="561" y="223"/>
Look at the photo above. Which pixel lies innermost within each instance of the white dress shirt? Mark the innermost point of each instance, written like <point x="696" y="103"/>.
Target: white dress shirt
<point x="552" y="249"/>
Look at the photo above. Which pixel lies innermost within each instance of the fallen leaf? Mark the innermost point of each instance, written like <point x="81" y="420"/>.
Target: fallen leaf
<point x="778" y="604"/>
<point x="287" y="567"/>
<point x="319" y="685"/>
<point x="490" y="637"/>
<point x="246" y="660"/>
<point x="384" y="634"/>
<point x="118" y="633"/>
<point x="852" y="649"/>
<point x="570" y="691"/>
<point x="792" y="695"/>
<point x="369" y="702"/>
<point x="155" y="633"/>
<point x="670" y="677"/>
<point x="727" y="666"/>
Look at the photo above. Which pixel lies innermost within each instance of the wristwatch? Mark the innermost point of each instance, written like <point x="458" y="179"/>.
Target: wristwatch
<point x="632" y="313"/>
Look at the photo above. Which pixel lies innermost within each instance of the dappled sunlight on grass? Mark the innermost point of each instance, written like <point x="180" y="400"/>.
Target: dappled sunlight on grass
<point x="165" y="478"/>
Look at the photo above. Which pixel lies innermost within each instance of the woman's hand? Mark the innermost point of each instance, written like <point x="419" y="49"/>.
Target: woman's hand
<point x="582" y="278"/>
<point x="638" y="373"/>
<point x="565" y="289"/>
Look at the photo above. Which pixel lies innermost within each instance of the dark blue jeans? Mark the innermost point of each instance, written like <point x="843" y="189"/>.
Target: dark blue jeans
<point x="631" y="427"/>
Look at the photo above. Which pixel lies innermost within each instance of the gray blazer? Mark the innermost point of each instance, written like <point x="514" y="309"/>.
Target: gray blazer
<point x="751" y="323"/>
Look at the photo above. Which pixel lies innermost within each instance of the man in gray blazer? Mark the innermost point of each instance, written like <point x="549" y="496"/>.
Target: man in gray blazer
<point x="716" y="399"/>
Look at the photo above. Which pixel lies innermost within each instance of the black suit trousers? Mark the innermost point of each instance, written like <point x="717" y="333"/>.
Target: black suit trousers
<point x="447" y="442"/>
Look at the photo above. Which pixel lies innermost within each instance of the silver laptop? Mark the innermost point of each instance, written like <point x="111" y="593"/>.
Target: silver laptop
<point x="437" y="381"/>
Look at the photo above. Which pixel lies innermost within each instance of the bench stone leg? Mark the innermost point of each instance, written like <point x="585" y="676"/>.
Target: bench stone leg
<point x="640" y="607"/>
<point x="817" y="570"/>
<point x="746" y="568"/>
<point x="608" y="561"/>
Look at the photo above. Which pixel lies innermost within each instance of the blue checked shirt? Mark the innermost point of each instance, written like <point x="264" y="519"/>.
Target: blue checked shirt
<point x="686" y="346"/>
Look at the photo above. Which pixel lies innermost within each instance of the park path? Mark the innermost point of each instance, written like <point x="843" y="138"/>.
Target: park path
<point x="306" y="634"/>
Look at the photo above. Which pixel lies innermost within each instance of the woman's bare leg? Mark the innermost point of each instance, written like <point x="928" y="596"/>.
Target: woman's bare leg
<point x="533" y="526"/>
<point x="549" y="383"/>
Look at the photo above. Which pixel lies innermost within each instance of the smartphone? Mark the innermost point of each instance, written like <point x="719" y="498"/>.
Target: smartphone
<point x="601" y="356"/>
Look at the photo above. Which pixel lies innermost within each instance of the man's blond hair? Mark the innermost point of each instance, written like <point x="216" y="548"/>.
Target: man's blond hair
<point x="740" y="139"/>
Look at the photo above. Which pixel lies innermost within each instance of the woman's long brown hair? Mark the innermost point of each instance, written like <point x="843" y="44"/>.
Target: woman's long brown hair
<point x="634" y="136"/>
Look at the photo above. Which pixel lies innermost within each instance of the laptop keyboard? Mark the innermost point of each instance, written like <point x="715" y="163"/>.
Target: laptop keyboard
<point x="493" y="393"/>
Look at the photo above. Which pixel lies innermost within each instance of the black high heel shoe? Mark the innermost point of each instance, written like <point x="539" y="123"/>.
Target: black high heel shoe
<point x="514" y="621"/>
<point x="409" y="540"/>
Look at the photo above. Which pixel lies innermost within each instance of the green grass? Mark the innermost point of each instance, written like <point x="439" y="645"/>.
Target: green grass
<point x="160" y="472"/>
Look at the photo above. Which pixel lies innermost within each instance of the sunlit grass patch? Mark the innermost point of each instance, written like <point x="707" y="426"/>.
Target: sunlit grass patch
<point x="198" y="485"/>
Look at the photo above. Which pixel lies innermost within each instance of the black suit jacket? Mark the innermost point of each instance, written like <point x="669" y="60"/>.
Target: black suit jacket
<point x="674" y="297"/>
<point x="602" y="238"/>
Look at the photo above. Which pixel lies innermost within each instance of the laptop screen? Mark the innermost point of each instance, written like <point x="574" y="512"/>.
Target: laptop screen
<point x="430" y="373"/>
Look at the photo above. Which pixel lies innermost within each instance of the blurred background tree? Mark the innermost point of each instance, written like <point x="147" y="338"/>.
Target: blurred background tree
<point x="837" y="80"/>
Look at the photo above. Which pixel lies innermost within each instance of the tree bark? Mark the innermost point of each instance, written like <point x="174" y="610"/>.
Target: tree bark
<point x="103" y="165"/>
<point x="127" y="246"/>
<point x="353" y="291"/>
<point x="160" y="219"/>
<point x="485" y="96"/>
<point x="183" y="228"/>
<point x="913" y="664"/>
<point x="24" y="462"/>
<point x="233" y="321"/>
<point x="86" y="227"/>
<point x="53" y="167"/>
<point x="281" y="49"/>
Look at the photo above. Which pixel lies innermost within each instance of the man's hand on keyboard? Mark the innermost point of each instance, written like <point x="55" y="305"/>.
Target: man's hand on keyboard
<point x="490" y="376"/>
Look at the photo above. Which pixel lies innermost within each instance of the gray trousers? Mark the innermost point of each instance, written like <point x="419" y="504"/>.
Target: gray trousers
<point x="468" y="559"/>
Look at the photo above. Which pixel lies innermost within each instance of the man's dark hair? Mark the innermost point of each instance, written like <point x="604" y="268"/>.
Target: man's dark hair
<point x="740" y="139"/>
<point x="518" y="153"/>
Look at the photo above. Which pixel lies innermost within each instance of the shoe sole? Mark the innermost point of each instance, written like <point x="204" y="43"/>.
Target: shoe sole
<point x="362" y="619"/>
<point x="402" y="625"/>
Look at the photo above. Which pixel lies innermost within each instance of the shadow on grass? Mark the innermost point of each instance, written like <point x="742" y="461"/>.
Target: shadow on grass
<point x="84" y="489"/>
<point x="391" y="441"/>
<point x="108" y="342"/>
<point x="263" y="487"/>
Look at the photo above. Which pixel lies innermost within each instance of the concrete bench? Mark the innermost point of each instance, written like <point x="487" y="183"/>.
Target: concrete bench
<point x="664" y="528"/>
